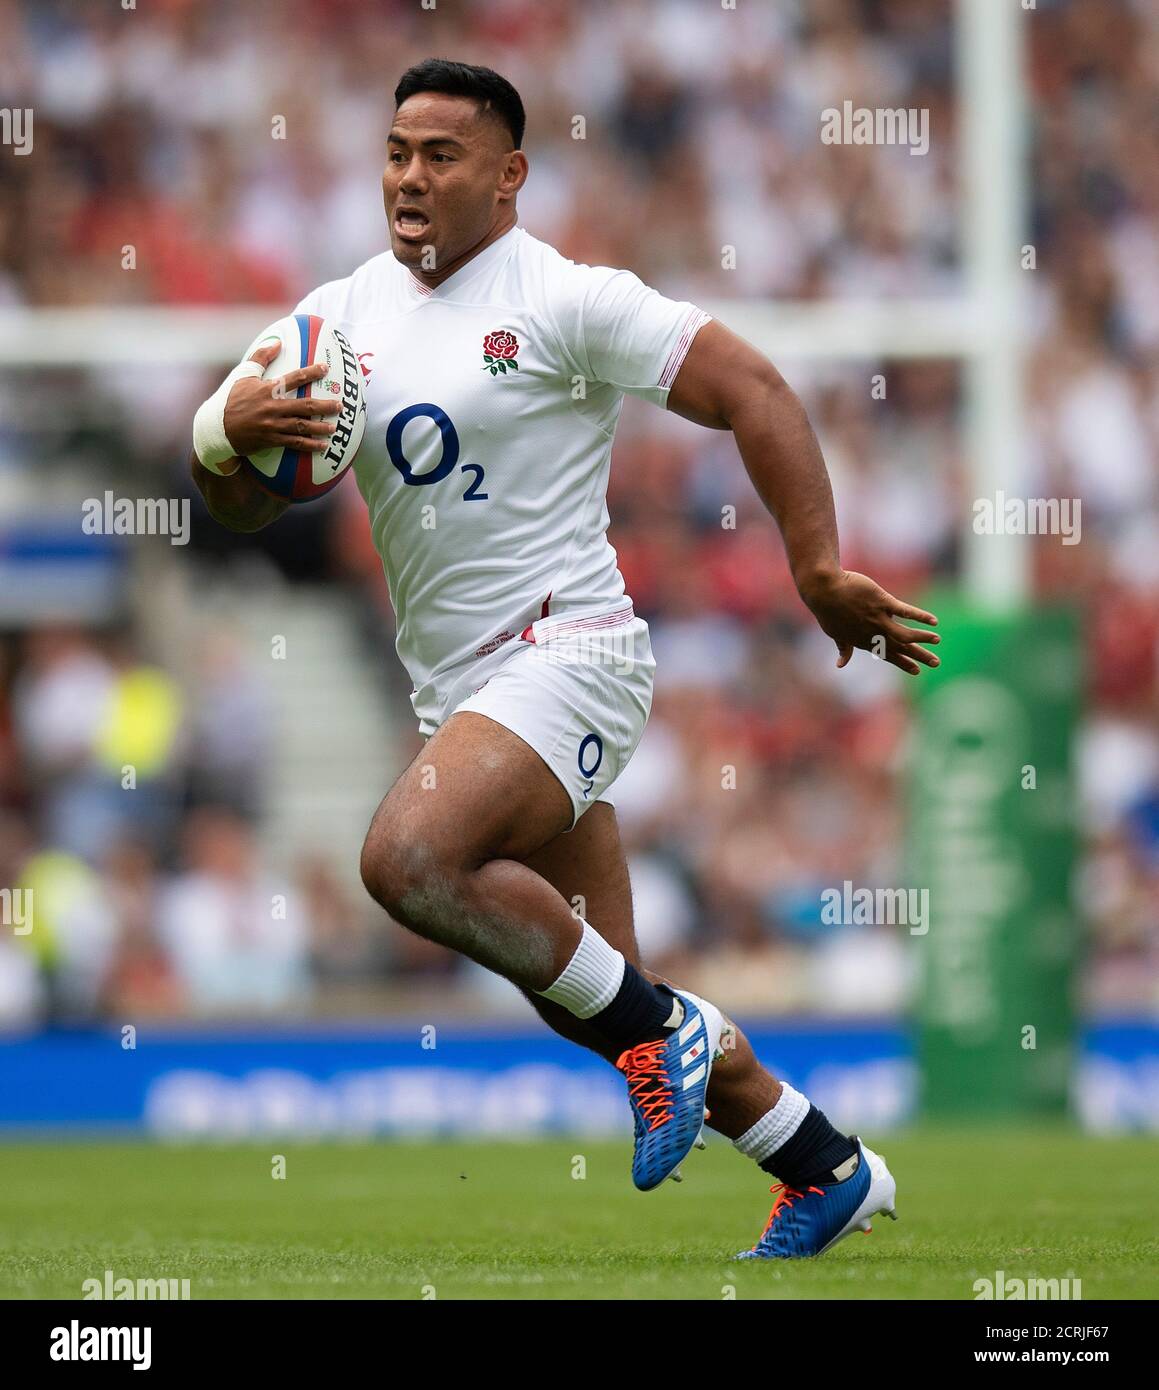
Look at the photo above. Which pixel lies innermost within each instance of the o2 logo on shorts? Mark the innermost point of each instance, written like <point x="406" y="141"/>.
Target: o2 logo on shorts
<point x="590" y="756"/>
<point x="446" y="465"/>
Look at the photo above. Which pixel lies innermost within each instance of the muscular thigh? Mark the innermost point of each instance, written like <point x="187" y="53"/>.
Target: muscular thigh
<point x="476" y="792"/>
<point x="587" y="866"/>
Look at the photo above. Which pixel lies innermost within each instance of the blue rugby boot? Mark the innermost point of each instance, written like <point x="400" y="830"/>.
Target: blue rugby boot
<point x="810" y="1222"/>
<point x="667" y="1083"/>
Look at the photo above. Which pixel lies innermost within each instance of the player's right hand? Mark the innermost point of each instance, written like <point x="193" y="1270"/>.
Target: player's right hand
<point x="263" y="414"/>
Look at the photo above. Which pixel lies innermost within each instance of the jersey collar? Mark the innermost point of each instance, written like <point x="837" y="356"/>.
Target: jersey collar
<point x="489" y="256"/>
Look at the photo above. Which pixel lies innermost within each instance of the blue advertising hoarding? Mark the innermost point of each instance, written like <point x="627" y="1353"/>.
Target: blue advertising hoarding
<point x="419" y="1082"/>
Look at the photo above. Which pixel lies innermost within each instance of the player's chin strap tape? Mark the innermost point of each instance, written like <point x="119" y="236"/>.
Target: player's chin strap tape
<point x="209" y="441"/>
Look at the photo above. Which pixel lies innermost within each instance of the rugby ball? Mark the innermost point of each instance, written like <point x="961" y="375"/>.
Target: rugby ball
<point x="306" y="339"/>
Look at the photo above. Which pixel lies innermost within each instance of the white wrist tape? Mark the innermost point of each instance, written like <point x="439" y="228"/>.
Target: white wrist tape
<point x="209" y="442"/>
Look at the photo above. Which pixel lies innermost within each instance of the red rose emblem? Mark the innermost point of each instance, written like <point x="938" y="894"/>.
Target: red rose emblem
<point x="501" y="344"/>
<point x="500" y="350"/>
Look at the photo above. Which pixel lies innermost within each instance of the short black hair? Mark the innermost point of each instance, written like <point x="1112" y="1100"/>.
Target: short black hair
<point x="493" y="93"/>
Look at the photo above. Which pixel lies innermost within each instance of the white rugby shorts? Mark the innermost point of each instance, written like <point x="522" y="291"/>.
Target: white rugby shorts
<point x="576" y="689"/>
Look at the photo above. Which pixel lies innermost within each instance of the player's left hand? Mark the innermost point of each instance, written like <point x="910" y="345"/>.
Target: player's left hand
<point x="856" y="612"/>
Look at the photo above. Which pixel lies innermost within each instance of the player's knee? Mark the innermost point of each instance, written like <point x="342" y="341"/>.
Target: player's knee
<point x="391" y="869"/>
<point x="405" y="876"/>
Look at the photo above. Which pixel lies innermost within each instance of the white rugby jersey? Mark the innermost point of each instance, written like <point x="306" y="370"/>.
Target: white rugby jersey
<point x="491" y="403"/>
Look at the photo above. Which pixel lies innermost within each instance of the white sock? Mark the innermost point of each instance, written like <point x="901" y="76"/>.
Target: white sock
<point x="776" y="1127"/>
<point x="591" y="979"/>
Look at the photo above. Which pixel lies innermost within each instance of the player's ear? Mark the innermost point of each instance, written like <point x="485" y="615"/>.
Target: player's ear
<point x="514" y="174"/>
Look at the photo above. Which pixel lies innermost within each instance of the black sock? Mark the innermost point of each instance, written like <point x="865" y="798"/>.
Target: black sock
<point x="637" y="1014"/>
<point x="811" y="1156"/>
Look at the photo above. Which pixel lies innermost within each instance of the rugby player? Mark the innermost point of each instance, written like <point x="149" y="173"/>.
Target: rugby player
<point x="496" y="370"/>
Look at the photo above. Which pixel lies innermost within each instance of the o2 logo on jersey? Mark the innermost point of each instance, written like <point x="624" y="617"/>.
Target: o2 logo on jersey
<point x="446" y="465"/>
<point x="590" y="756"/>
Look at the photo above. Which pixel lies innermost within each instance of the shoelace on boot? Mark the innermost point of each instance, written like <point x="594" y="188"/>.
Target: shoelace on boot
<point x="643" y="1065"/>
<point x="785" y="1197"/>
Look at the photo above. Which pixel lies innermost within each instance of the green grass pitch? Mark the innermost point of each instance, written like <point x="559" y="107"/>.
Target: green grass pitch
<point x="509" y="1220"/>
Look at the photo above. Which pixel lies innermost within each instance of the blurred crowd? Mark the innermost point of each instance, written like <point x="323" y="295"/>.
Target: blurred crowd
<point x="159" y="129"/>
<point x="700" y="133"/>
<point x="131" y="806"/>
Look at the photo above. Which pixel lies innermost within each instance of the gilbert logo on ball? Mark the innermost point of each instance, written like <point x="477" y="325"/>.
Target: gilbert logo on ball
<point x="306" y="339"/>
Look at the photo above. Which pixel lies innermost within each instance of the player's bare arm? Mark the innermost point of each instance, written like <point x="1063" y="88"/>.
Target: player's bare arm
<point x="236" y="502"/>
<point x="725" y="383"/>
<point x="262" y="414"/>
